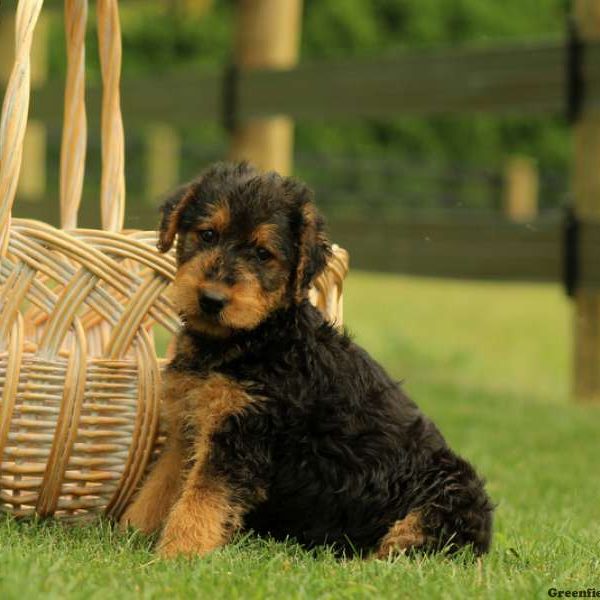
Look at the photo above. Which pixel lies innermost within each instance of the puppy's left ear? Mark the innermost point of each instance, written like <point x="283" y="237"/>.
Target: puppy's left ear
<point x="171" y="212"/>
<point x="314" y="249"/>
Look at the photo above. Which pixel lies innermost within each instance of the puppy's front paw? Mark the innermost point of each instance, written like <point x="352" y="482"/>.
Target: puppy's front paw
<point x="195" y="526"/>
<point x="176" y="542"/>
<point x="140" y="517"/>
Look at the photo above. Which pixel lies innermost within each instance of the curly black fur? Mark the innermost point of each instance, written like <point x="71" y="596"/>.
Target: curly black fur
<point x="340" y="448"/>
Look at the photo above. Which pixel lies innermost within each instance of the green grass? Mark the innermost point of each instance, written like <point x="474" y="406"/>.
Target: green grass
<point x="490" y="364"/>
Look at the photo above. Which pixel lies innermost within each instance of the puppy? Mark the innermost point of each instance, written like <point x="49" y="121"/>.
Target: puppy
<point x="276" y="421"/>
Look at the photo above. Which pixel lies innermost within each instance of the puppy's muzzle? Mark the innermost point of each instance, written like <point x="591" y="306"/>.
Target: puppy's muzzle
<point x="212" y="302"/>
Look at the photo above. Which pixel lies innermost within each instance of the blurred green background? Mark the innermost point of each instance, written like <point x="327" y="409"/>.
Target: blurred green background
<point x="385" y="167"/>
<point x="490" y="362"/>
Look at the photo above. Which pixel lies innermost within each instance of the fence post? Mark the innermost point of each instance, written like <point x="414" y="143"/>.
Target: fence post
<point x="267" y="35"/>
<point x="521" y="189"/>
<point x="163" y="151"/>
<point x="32" y="179"/>
<point x="32" y="182"/>
<point x="586" y="189"/>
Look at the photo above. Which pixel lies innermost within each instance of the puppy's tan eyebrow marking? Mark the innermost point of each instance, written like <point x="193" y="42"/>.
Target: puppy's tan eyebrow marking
<point x="266" y="235"/>
<point x="219" y="217"/>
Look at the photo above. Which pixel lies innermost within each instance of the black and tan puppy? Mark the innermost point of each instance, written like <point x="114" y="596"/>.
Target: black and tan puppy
<point x="276" y="421"/>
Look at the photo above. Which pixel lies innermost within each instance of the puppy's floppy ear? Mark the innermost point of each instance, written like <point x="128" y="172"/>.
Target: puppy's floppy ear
<point x="171" y="212"/>
<point x="314" y="249"/>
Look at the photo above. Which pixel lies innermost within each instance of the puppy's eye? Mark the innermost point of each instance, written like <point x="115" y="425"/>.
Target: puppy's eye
<point x="263" y="254"/>
<point x="208" y="236"/>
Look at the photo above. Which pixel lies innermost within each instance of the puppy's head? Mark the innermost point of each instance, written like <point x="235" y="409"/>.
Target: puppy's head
<point x="247" y="244"/>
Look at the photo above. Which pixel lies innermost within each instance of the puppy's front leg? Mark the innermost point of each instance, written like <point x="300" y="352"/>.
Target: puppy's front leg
<point x="202" y="519"/>
<point x="158" y="494"/>
<point x="208" y="511"/>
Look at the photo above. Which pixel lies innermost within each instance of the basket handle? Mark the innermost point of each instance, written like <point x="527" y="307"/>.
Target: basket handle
<point x="74" y="134"/>
<point x="112" y="192"/>
<point x="15" y="110"/>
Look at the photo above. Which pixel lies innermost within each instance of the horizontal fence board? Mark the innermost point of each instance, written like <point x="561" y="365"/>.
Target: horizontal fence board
<point x="511" y="79"/>
<point x="481" y="248"/>
<point x="520" y="78"/>
<point x="470" y="249"/>
<point x="180" y="98"/>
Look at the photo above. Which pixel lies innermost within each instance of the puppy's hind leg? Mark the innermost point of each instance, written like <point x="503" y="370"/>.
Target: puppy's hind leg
<point x="403" y="536"/>
<point x="450" y="510"/>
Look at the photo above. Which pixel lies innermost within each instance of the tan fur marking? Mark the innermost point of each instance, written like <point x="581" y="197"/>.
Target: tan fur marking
<point x="200" y="519"/>
<point x="167" y="234"/>
<point x="402" y="536"/>
<point x="204" y="516"/>
<point x="219" y="217"/>
<point x="189" y="280"/>
<point x="266" y="235"/>
<point x="306" y="238"/>
<point x="248" y="303"/>
<point x="204" y="400"/>
<point x="204" y="404"/>
<point x="191" y="274"/>
<point x="158" y="494"/>
<point x="309" y="237"/>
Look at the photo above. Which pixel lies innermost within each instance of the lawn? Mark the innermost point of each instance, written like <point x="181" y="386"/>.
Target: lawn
<point x="490" y="363"/>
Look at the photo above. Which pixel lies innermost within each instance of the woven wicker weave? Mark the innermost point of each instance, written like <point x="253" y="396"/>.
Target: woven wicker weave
<point x="79" y="376"/>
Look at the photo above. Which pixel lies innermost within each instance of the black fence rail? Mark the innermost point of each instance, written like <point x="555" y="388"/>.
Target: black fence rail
<point x="525" y="78"/>
<point x="556" y="76"/>
<point x="480" y="248"/>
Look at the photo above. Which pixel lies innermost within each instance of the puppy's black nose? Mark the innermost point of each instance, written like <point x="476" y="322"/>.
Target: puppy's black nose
<point x="211" y="302"/>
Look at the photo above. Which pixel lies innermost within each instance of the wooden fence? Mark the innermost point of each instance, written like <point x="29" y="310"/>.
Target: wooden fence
<point x="517" y="79"/>
<point x="555" y="76"/>
<point x="511" y="79"/>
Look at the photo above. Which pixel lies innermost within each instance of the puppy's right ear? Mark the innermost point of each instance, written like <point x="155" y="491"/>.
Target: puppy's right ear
<point x="171" y="212"/>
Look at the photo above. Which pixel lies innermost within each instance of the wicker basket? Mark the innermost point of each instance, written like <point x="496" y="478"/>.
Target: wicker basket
<point x="79" y="376"/>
